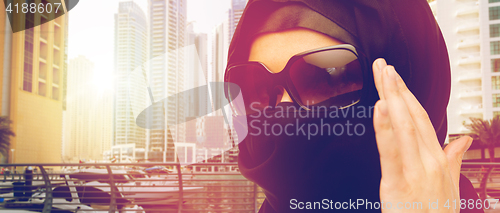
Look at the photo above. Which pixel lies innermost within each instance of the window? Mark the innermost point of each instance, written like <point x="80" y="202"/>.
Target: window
<point x="494" y="30"/>
<point x="496" y="100"/>
<point x="42" y="89"/>
<point x="496" y="113"/>
<point x="55" y="76"/>
<point x="28" y="52"/>
<point x="42" y="71"/>
<point x="495" y="13"/>
<point x="55" y="93"/>
<point x="493" y="1"/>
<point x="495" y="65"/>
<point x="495" y="82"/>
<point x="495" y="47"/>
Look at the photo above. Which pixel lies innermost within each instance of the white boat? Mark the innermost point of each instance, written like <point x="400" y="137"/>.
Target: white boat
<point x="63" y="202"/>
<point x="36" y="204"/>
<point x="135" y="186"/>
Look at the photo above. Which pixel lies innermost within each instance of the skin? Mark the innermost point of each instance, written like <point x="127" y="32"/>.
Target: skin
<point x="414" y="166"/>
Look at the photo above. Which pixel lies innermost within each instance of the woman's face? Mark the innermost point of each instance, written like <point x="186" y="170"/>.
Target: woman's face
<point x="275" y="49"/>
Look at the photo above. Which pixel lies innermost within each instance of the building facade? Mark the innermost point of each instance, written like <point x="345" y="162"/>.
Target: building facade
<point x="130" y="74"/>
<point x="33" y="63"/>
<point x="235" y="12"/>
<point x="472" y="33"/>
<point x="471" y="29"/>
<point x="167" y="66"/>
<point x="196" y="74"/>
<point x="88" y="115"/>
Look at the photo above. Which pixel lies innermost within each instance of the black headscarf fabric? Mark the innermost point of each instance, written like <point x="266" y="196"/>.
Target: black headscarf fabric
<point x="405" y="34"/>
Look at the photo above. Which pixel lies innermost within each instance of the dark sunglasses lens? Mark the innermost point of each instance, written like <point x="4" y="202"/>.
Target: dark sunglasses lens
<point x="327" y="78"/>
<point x="254" y="82"/>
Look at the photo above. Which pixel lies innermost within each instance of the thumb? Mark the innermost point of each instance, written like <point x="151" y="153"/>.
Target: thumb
<point x="455" y="152"/>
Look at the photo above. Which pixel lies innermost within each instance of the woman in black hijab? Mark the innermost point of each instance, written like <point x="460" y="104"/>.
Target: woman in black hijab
<point x="345" y="168"/>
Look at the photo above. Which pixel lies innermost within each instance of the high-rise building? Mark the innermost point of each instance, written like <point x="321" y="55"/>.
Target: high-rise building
<point x="88" y="116"/>
<point x="33" y="64"/>
<point x="196" y="74"/>
<point x="130" y="74"/>
<point x="221" y="38"/>
<point x="220" y="47"/>
<point x="5" y="48"/>
<point x="215" y="133"/>
<point x="235" y="12"/>
<point x="469" y="31"/>
<point x="167" y="33"/>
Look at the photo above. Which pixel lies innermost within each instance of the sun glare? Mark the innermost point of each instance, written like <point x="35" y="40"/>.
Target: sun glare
<point x="103" y="81"/>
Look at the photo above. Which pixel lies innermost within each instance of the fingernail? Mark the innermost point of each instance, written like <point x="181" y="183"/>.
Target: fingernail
<point x="470" y="142"/>
<point x="381" y="64"/>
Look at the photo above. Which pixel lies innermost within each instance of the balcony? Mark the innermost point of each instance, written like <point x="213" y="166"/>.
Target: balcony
<point x="470" y="75"/>
<point x="467" y="43"/>
<point x="472" y="59"/>
<point x="471" y="92"/>
<point x="472" y="109"/>
<point x="472" y="10"/>
<point x="472" y="25"/>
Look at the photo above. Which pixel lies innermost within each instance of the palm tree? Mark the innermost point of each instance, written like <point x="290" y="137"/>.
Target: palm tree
<point x="486" y="132"/>
<point x="5" y="134"/>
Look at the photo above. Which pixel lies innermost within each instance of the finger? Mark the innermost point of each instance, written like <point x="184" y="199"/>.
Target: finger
<point x="378" y="66"/>
<point x="390" y="156"/>
<point x="421" y="120"/>
<point x="454" y="153"/>
<point x="402" y="123"/>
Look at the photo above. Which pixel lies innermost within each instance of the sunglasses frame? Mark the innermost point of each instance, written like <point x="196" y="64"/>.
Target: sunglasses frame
<point x="284" y="80"/>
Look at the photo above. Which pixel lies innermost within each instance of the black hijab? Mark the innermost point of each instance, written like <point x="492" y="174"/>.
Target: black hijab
<point x="405" y="33"/>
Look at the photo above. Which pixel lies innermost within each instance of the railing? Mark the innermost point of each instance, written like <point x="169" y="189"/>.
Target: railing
<point x="476" y="171"/>
<point x="148" y="187"/>
<point x="120" y="187"/>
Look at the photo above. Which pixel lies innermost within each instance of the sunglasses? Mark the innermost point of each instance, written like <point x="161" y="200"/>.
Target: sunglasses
<point x="330" y="77"/>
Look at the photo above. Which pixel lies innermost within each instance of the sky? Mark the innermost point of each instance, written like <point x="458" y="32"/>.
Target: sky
<point x="91" y="27"/>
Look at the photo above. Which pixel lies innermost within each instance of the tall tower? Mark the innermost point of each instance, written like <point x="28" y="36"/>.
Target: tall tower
<point x="130" y="56"/>
<point x="88" y="117"/>
<point x="33" y="64"/>
<point x="196" y="71"/>
<point x="166" y="75"/>
<point x="472" y="32"/>
<point x="237" y="7"/>
<point x="197" y="101"/>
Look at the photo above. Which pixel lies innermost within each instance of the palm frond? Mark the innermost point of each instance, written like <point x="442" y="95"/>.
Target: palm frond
<point x="5" y="134"/>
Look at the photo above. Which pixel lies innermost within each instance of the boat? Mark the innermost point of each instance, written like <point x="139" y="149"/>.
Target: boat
<point x="85" y="199"/>
<point x="134" y="185"/>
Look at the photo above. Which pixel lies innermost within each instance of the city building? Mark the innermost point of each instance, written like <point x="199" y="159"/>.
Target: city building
<point x="167" y="67"/>
<point x="33" y="84"/>
<point x="196" y="74"/>
<point x="471" y="29"/>
<point x="216" y="134"/>
<point x="235" y="12"/>
<point x="220" y="47"/>
<point x="185" y="152"/>
<point x="130" y="74"/>
<point x="5" y="48"/>
<point x="88" y="116"/>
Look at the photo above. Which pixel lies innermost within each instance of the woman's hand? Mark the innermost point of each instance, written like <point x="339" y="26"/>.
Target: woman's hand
<point x="416" y="172"/>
